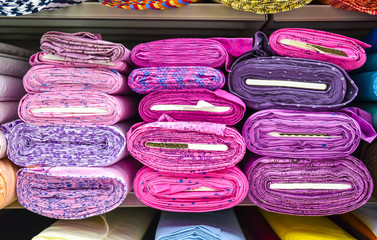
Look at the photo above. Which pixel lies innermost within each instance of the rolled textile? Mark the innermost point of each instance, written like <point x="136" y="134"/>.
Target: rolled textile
<point x="367" y="215"/>
<point x="11" y="88"/>
<point x="3" y="144"/>
<point x="193" y="105"/>
<point x="7" y="182"/>
<point x="302" y="227"/>
<point x="81" y="49"/>
<point x="371" y="108"/>
<point x="219" y="225"/>
<point x="75" y="108"/>
<point x="312" y="187"/>
<point x="367" y="82"/>
<point x="290" y="133"/>
<point x="13" y="66"/>
<point x="185" y="147"/>
<point x="146" y="5"/>
<point x="354" y="226"/>
<point x="343" y="51"/>
<point x="210" y="52"/>
<point x="75" y="192"/>
<point x="369" y="66"/>
<point x="196" y="192"/>
<point x="15" y="51"/>
<point x="368" y="155"/>
<point x="8" y="111"/>
<point x="121" y="223"/>
<point x="50" y="78"/>
<point x="371" y="38"/>
<point x="283" y="82"/>
<point x="366" y="6"/>
<point x="52" y="146"/>
<point x="265" y="6"/>
<point x="150" y="79"/>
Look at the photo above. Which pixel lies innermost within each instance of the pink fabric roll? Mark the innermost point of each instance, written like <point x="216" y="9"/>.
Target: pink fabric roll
<point x="75" y="108"/>
<point x="50" y="78"/>
<point x="199" y="192"/>
<point x="8" y="111"/>
<point x="195" y="105"/>
<point x="346" y="52"/>
<point x="185" y="147"/>
<point x="11" y="88"/>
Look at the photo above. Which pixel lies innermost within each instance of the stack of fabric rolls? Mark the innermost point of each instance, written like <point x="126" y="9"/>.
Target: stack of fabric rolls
<point x="302" y="136"/>
<point x="71" y="139"/>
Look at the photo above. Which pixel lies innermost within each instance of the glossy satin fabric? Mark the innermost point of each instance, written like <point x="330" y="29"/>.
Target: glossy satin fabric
<point x="193" y="97"/>
<point x="340" y="89"/>
<point x="354" y="49"/>
<point x="117" y="108"/>
<point x="367" y="6"/>
<point x="368" y="215"/>
<point x="50" y="78"/>
<point x="175" y="192"/>
<point x="302" y="227"/>
<point x="8" y="111"/>
<point x="219" y="225"/>
<point x="356" y="225"/>
<point x="211" y="52"/>
<point x="52" y="146"/>
<point x="367" y="83"/>
<point x="75" y="192"/>
<point x="369" y="66"/>
<point x="185" y="160"/>
<point x="371" y="38"/>
<point x="341" y="130"/>
<point x="121" y="223"/>
<point x="150" y="79"/>
<point x="7" y="182"/>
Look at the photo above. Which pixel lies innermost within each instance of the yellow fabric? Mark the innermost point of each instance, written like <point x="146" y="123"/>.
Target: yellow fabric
<point x="8" y="179"/>
<point x="289" y="227"/>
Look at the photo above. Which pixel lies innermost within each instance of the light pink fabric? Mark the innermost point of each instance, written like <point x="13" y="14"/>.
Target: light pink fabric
<point x="8" y="111"/>
<point x="11" y="88"/>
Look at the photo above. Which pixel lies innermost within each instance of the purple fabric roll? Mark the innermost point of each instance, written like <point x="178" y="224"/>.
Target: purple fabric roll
<point x="290" y="133"/>
<point x="312" y="187"/>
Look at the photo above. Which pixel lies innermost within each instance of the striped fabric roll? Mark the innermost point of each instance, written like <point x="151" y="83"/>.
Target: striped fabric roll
<point x="367" y="6"/>
<point x="146" y="4"/>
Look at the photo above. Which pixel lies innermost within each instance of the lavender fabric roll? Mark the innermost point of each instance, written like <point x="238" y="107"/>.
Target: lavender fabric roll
<point x="312" y="187"/>
<point x="193" y="105"/>
<point x="289" y="133"/>
<point x="14" y="66"/>
<point x="11" y="88"/>
<point x="8" y="111"/>
<point x="51" y="146"/>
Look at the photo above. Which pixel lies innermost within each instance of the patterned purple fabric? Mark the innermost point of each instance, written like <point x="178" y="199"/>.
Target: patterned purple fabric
<point x="289" y="133"/>
<point x="150" y="79"/>
<point x="52" y="146"/>
<point x="312" y="187"/>
<point x="186" y="147"/>
<point x="198" y="102"/>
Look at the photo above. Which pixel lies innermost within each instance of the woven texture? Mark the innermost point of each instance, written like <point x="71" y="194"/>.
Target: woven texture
<point x="146" y="4"/>
<point x="367" y="6"/>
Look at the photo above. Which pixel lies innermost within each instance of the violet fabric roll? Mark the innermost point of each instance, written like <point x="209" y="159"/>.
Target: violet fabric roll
<point x="290" y="133"/>
<point x="8" y="111"/>
<point x="193" y="105"/>
<point x="13" y="66"/>
<point x="75" y="108"/>
<point x="312" y="187"/>
<point x="75" y="192"/>
<point x="290" y="83"/>
<point x="11" y="88"/>
<point x="52" y="146"/>
<point x="50" y="78"/>
<point x="197" y="192"/>
<point x="150" y="79"/>
<point x="343" y="51"/>
<point x="186" y="147"/>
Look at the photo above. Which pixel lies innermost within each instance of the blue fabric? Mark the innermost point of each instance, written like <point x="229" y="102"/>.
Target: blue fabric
<point x="218" y="225"/>
<point x="371" y="39"/>
<point x="370" y="64"/>
<point x="367" y="84"/>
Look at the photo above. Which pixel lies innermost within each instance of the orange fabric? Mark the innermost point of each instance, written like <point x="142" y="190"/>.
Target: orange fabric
<point x="8" y="179"/>
<point x="358" y="225"/>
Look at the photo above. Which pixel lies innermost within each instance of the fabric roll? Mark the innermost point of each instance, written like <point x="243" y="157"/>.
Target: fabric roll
<point x="121" y="223"/>
<point x="196" y="192"/>
<point x="3" y="145"/>
<point x="355" y="226"/>
<point x="52" y="146"/>
<point x="185" y="147"/>
<point x="368" y="155"/>
<point x="219" y="225"/>
<point x="150" y="79"/>
<point x="371" y="38"/>
<point x="146" y="5"/>
<point x="343" y="51"/>
<point x="290" y="133"/>
<point x="312" y="187"/>
<point x="8" y="111"/>
<point x="11" y="88"/>
<point x="75" y="108"/>
<point x="265" y="6"/>
<point x="50" y="78"/>
<point x="193" y="105"/>
<point x="367" y="83"/>
<point x="13" y="66"/>
<point x="366" y="6"/>
<point x="302" y="227"/>
<point x="15" y="51"/>
<point x="81" y="49"/>
<point x="75" y="192"/>
<point x="367" y="215"/>
<point x="211" y="52"/>
<point x="7" y="182"/>
<point x="283" y="82"/>
<point x="369" y="66"/>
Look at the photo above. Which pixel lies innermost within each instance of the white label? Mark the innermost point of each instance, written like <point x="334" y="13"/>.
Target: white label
<point x="301" y="135"/>
<point x="202" y="189"/>
<point x="192" y="146"/>
<point x="56" y="58"/>
<point x="70" y="110"/>
<point x="290" y="84"/>
<point x="319" y="186"/>
<point x="201" y="106"/>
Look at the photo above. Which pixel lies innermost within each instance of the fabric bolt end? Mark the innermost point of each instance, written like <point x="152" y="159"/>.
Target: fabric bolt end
<point x="8" y="111"/>
<point x="8" y="172"/>
<point x="367" y="216"/>
<point x="146" y="5"/>
<point x="11" y="88"/>
<point x="371" y="38"/>
<point x="367" y="82"/>
<point x="369" y="157"/>
<point x="366" y="6"/>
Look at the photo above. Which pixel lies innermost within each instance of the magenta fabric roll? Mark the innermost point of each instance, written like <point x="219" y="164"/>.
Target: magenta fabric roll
<point x="197" y="192"/>
<point x="193" y="105"/>
<point x="290" y="133"/>
<point x="50" y="78"/>
<point x="186" y="147"/>
<point x="343" y="51"/>
<point x="8" y="111"/>
<point x="11" y="88"/>
<point x="75" y="192"/>
<point x="212" y="52"/>
<point x="81" y="49"/>
<point x="312" y="187"/>
<point x="75" y="108"/>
